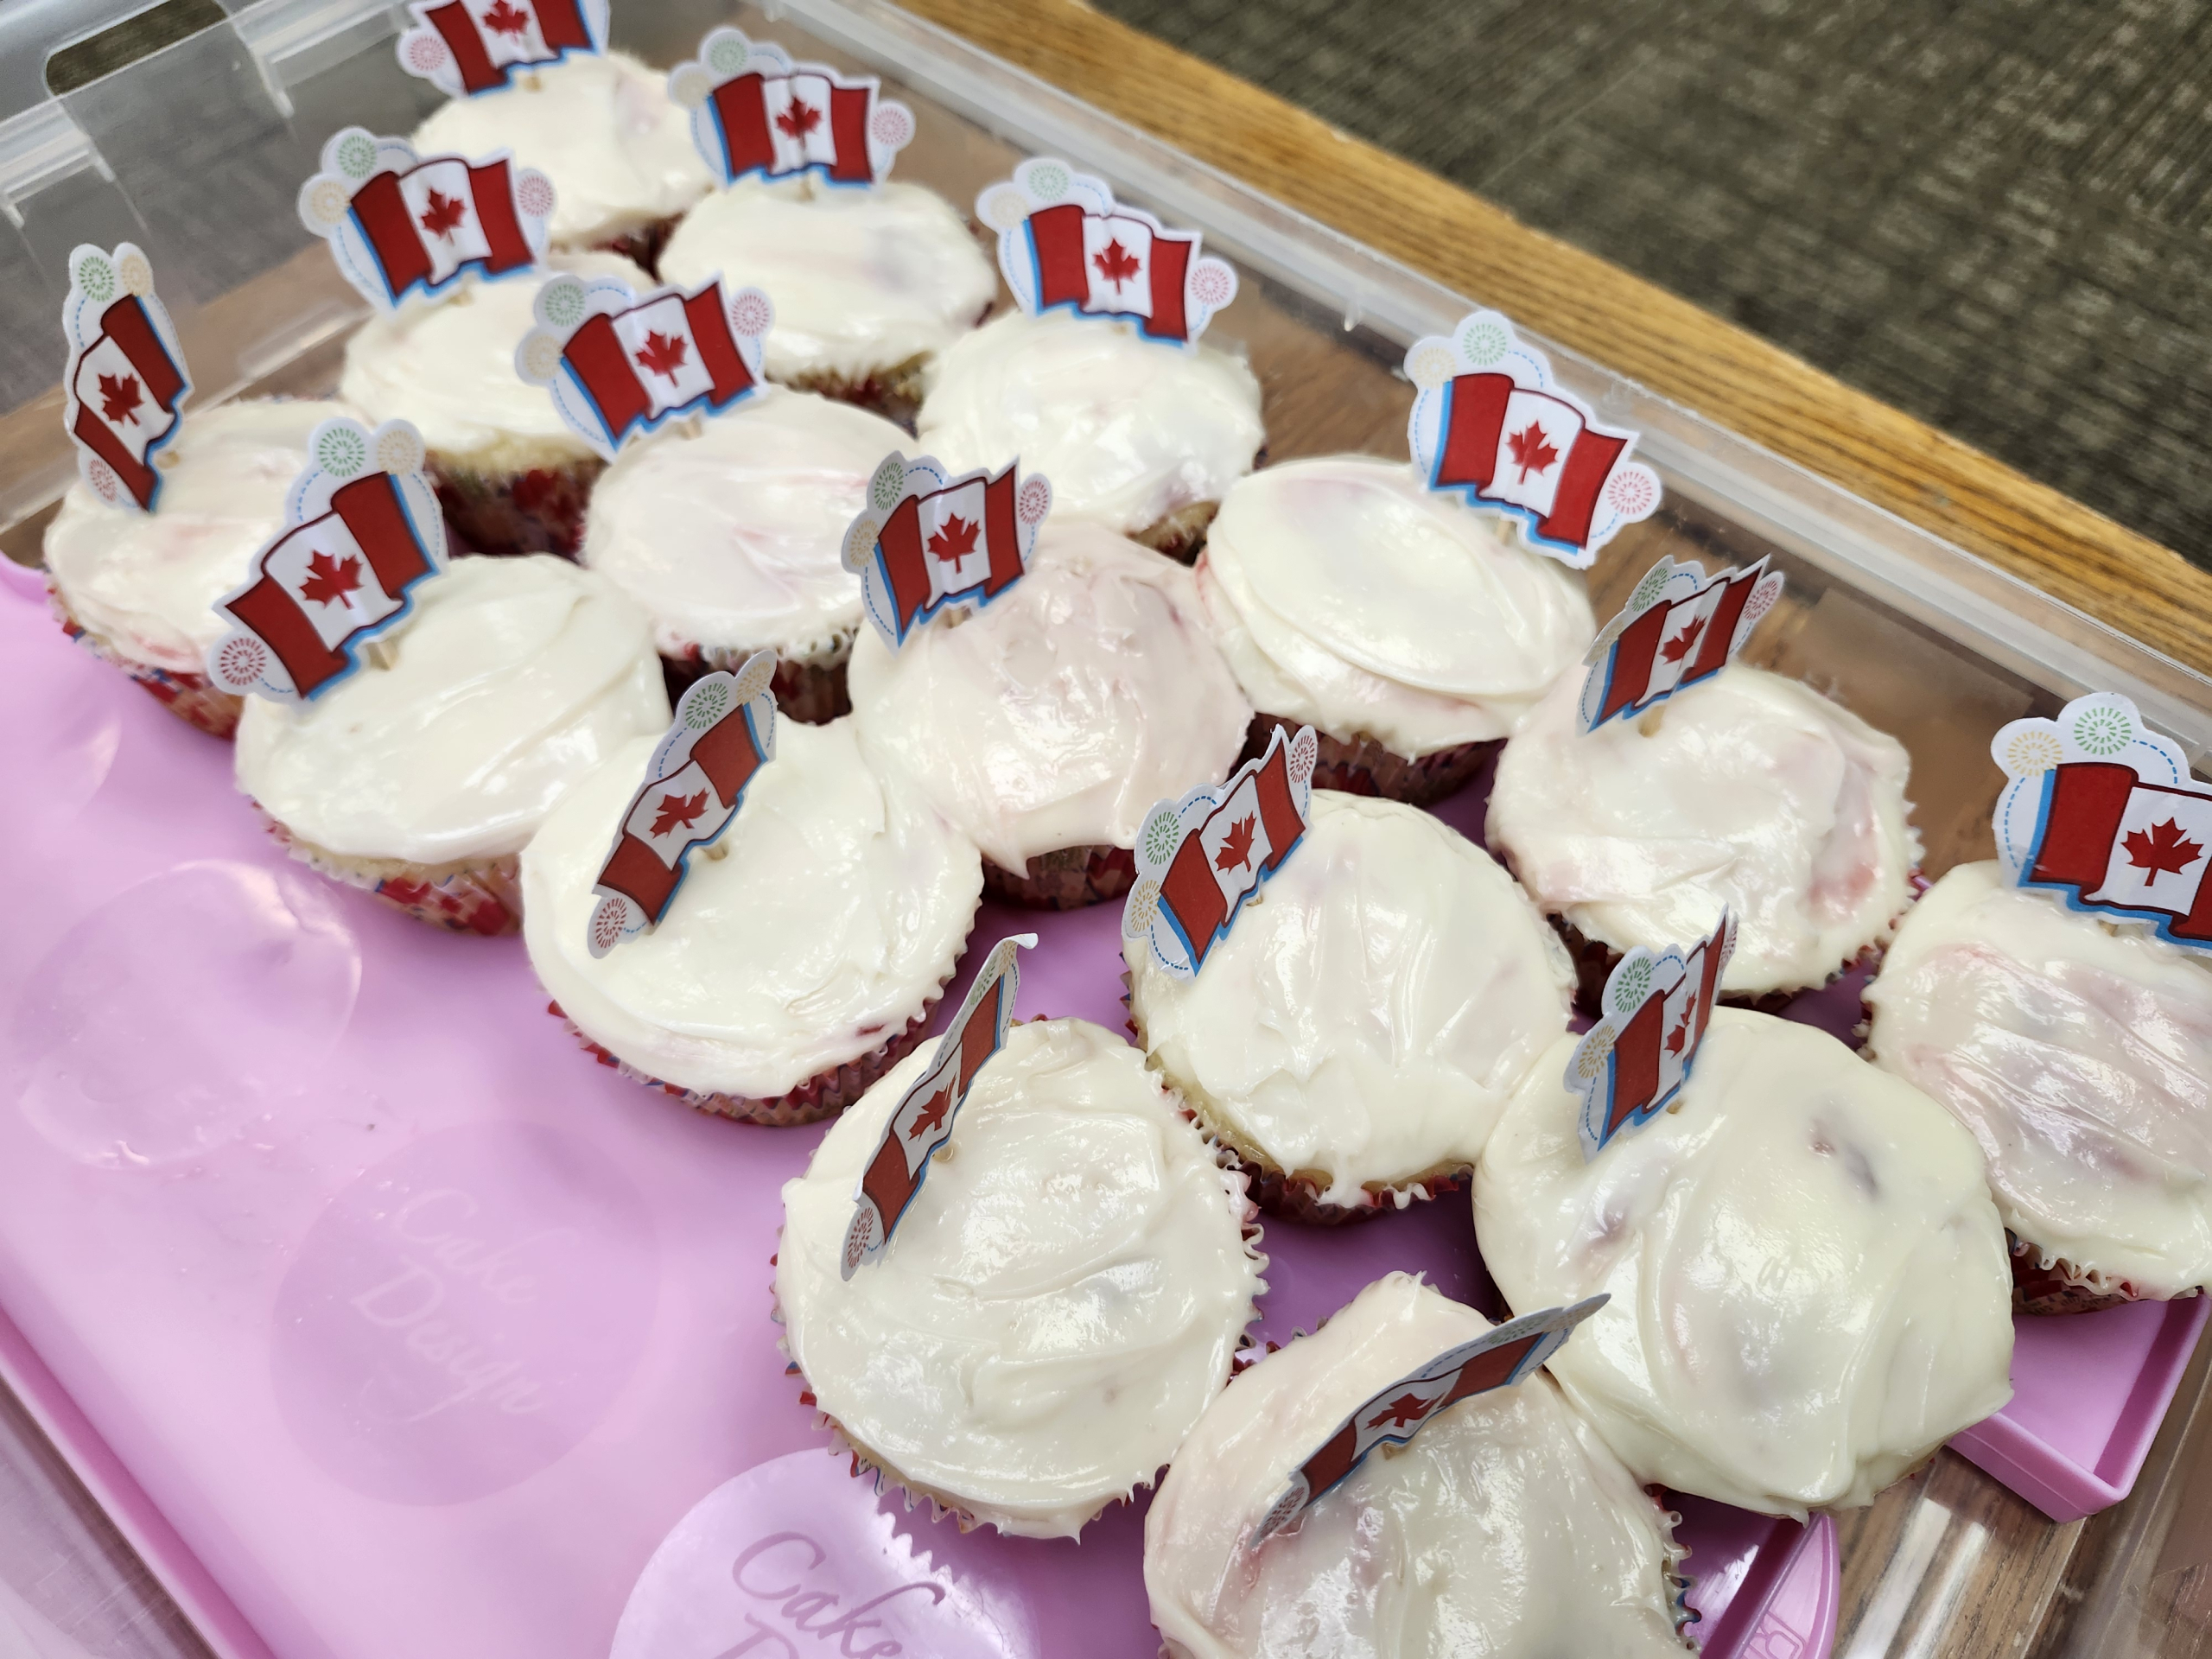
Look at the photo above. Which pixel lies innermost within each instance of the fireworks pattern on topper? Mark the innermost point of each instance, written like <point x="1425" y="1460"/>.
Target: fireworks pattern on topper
<point x="362" y="528"/>
<point x="756" y="114"/>
<point x="2102" y="810"/>
<point x="1490" y="424"/>
<point x="1679" y="626"/>
<point x="466" y="47"/>
<point x="400" y="223"/>
<point x="620" y="367"/>
<point x="1631" y="1065"/>
<point x="1064" y="243"/>
<point x="124" y="384"/>
<point x="927" y="542"/>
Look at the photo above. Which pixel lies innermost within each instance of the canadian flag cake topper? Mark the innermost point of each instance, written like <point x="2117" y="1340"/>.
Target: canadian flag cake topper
<point x="1500" y="1357"/>
<point x="1678" y="627"/>
<point x="400" y="223"/>
<point x="1200" y="858"/>
<point x="755" y="113"/>
<point x="1629" y="1067"/>
<point x="363" y="527"/>
<point x="927" y="542"/>
<point x="1490" y="423"/>
<point x="617" y="367"/>
<point x="923" y="1121"/>
<point x="124" y="385"/>
<point x="466" y="47"/>
<point x="2102" y="810"/>
<point x="1063" y="242"/>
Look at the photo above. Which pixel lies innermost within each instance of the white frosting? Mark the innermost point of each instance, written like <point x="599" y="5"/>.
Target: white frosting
<point x="731" y="532"/>
<point x="1505" y="1528"/>
<point x="1810" y="1290"/>
<point x="1372" y="1010"/>
<point x="1750" y="790"/>
<point x="513" y="679"/>
<point x="602" y="128"/>
<point x="2080" y="1057"/>
<point x="1129" y="430"/>
<point x="147" y="583"/>
<point x="1056" y="717"/>
<point x="449" y="366"/>
<point x="1058" y="1306"/>
<point x="1348" y="595"/>
<point x="863" y="279"/>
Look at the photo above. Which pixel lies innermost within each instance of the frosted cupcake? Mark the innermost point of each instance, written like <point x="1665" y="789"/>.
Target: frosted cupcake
<point x="1046" y="726"/>
<point x="422" y="774"/>
<point x="1059" y="1302"/>
<point x="1142" y="437"/>
<point x="2079" y="1056"/>
<point x="1411" y="633"/>
<point x="1355" y="1036"/>
<point x="1748" y="791"/>
<point x="1504" y="1528"/>
<point x="1809" y="1285"/>
<point x="729" y="532"/>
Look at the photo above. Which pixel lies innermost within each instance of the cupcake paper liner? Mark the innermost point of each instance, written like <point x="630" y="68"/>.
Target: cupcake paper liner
<point x="193" y="698"/>
<point x="482" y="898"/>
<point x="537" y="511"/>
<point x="1067" y="879"/>
<point x="2048" y="1285"/>
<point x="894" y="392"/>
<point x="814" y="693"/>
<point x="1360" y="765"/>
<point x="1594" y="963"/>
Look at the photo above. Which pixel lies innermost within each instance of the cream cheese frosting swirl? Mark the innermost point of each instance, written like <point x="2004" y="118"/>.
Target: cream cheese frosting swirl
<point x="1505" y="1528"/>
<point x="1060" y="1301"/>
<point x="1810" y="1288"/>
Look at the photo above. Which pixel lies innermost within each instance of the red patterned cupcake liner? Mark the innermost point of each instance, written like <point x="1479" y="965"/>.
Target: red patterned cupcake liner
<point x="484" y="898"/>
<point x="1360" y="765"/>
<point x="2049" y="1285"/>
<point x="813" y="694"/>
<point x="537" y="511"/>
<point x="193" y="698"/>
<point x="1067" y="879"/>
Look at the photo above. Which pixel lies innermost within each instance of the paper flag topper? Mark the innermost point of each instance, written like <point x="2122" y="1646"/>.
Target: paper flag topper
<point x="1629" y="1067"/>
<point x="399" y="224"/>
<point x="1063" y="242"/>
<point x="1491" y="424"/>
<point x="724" y="734"/>
<point x="617" y="367"/>
<point x="1679" y="626"/>
<point x="466" y="47"/>
<point x="1200" y="858"/>
<point x="923" y="1121"/>
<point x="755" y="113"/>
<point x="125" y="384"/>
<point x="927" y="542"/>
<point x="362" y="528"/>
<point x="2102" y="811"/>
<point x="1500" y="1357"/>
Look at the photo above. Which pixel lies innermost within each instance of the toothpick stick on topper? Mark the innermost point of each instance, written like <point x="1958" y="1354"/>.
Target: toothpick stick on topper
<point x="923" y="1121"/>
<point x="2102" y="810"/>
<point x="1491" y="424"/>
<point x="756" y="114"/>
<point x="724" y="732"/>
<point x="126" y="383"/>
<point x="1629" y="1067"/>
<point x="362" y="528"/>
<point x="1500" y="1357"/>
<point x="619" y="366"/>
<point x="1200" y="858"/>
<point x="466" y="47"/>
<point x="927" y="542"/>
<point x="1678" y="627"/>
<point x="400" y="223"/>
<point x="1064" y="243"/>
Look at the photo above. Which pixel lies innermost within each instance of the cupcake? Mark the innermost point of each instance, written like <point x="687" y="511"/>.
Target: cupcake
<point x="1747" y="792"/>
<point x="510" y="473"/>
<point x="2079" y="1054"/>
<point x="139" y="588"/>
<point x="868" y="283"/>
<point x="1357" y="1034"/>
<point x="730" y="533"/>
<point x="1410" y="633"/>
<point x="1060" y="1301"/>
<point x="422" y="775"/>
<point x="604" y="130"/>
<point x="1808" y="1283"/>
<point x="1046" y="726"/>
<point x="1140" y="436"/>
<point x="1503" y="1527"/>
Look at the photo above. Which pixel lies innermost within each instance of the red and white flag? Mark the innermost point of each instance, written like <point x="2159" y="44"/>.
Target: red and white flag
<point x="466" y="47"/>
<point x="756" y="114"/>
<point x="1679" y="627"/>
<point x="943" y="542"/>
<point x="124" y="379"/>
<point x="1630" y="1066"/>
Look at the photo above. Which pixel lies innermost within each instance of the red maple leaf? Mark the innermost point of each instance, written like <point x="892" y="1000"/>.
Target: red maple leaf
<point x="664" y="353"/>
<point x="444" y="213"/>
<point x="1406" y="1408"/>
<point x="1679" y="1038"/>
<point x="798" y="120"/>
<point x="330" y="580"/>
<point x="678" y="810"/>
<point x="1531" y="454"/>
<point x="931" y="1117"/>
<point x="1235" y="852"/>
<point x="2163" y="851"/>
<point x="504" y="19"/>
<point x="955" y="539"/>
<point x="118" y="396"/>
<point x="1681" y="644"/>
<point x="1115" y="263"/>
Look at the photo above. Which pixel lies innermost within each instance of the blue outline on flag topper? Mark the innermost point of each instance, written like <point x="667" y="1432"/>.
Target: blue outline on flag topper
<point x="424" y="54"/>
<point x="126" y="270"/>
<point x="1592" y="1068"/>
<point x="894" y="480"/>
<point x="726" y="54"/>
<point x="1669" y="583"/>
